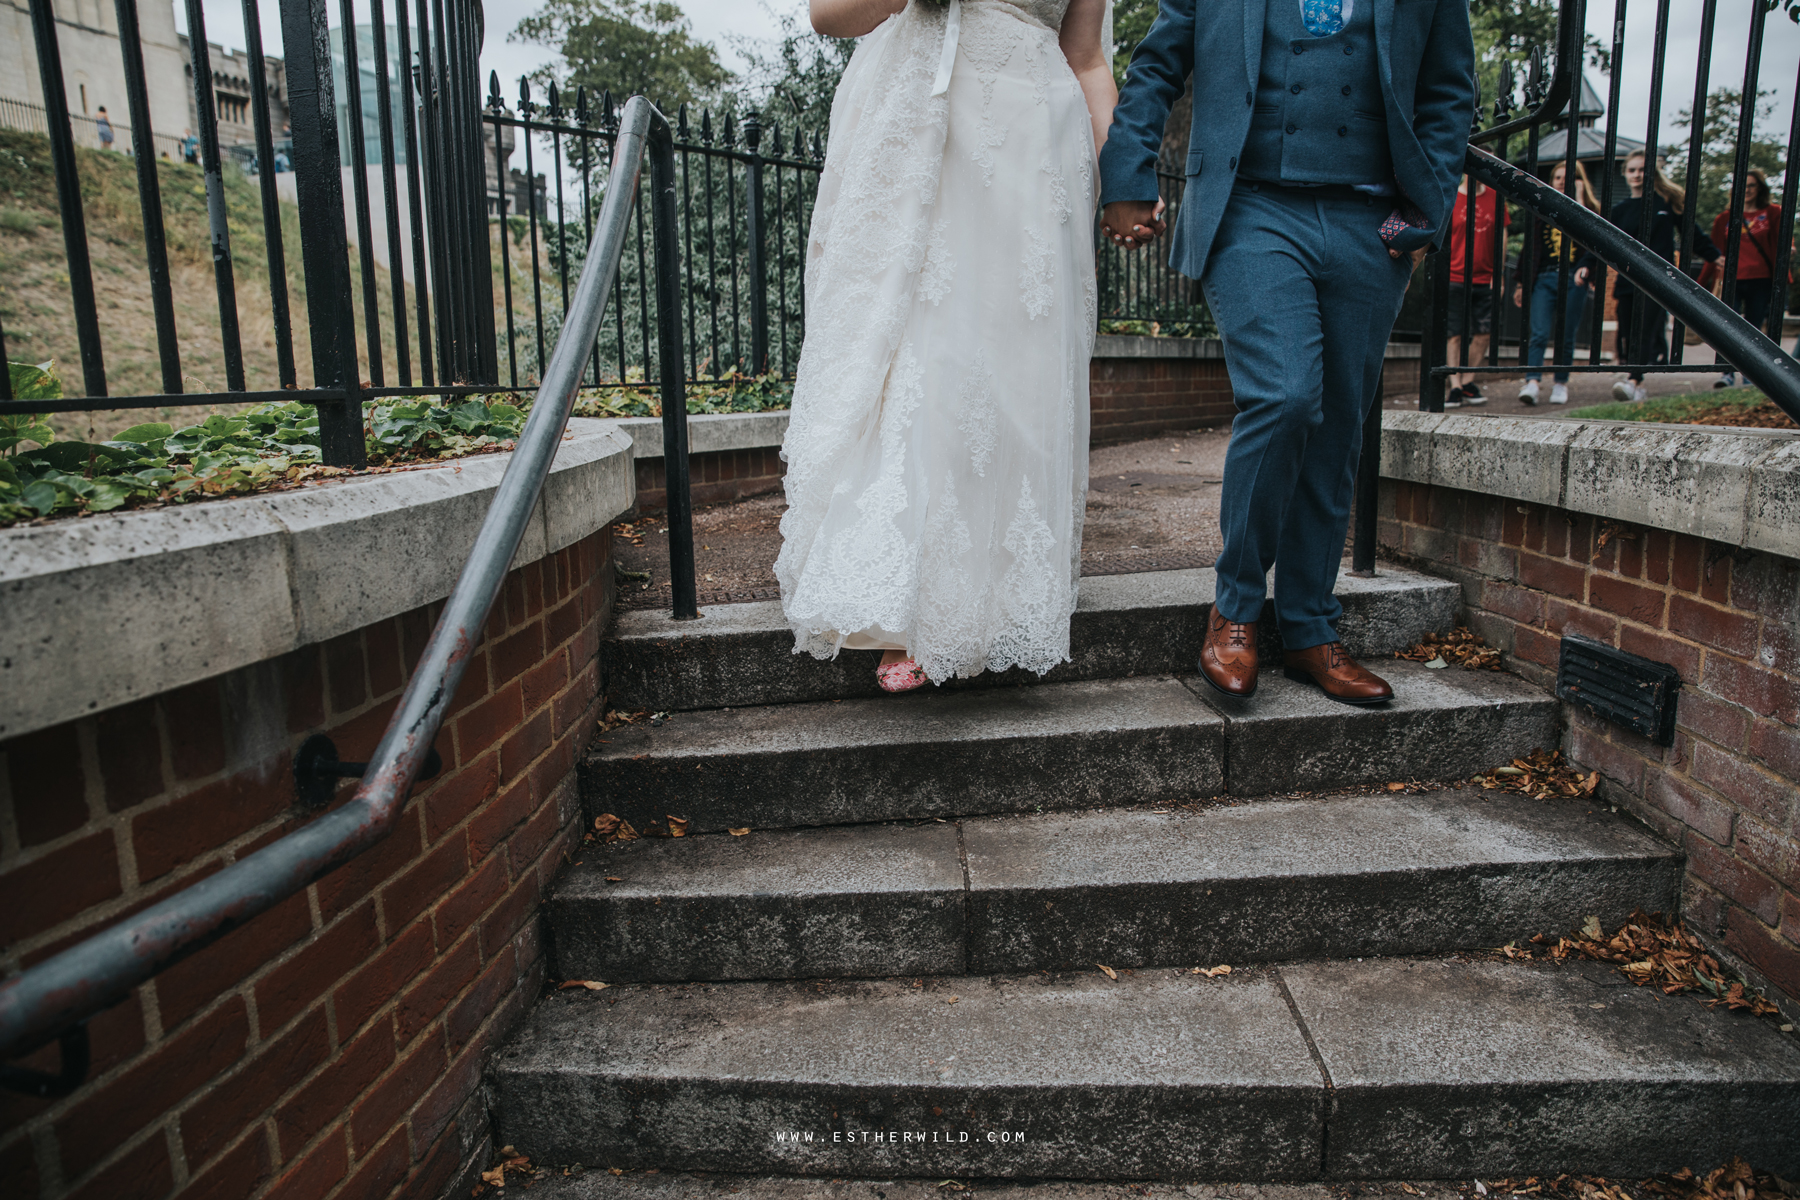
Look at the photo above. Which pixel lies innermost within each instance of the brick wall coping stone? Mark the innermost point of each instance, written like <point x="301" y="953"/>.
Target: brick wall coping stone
<point x="1124" y="345"/>
<point x="709" y="433"/>
<point x="109" y="609"/>
<point x="1738" y="486"/>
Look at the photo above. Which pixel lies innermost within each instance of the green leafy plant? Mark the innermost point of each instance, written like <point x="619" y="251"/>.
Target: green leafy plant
<point x="268" y="446"/>
<point x="29" y="383"/>
<point x="734" y="394"/>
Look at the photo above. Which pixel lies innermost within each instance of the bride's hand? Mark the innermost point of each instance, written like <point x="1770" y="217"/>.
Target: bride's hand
<point x="1132" y="223"/>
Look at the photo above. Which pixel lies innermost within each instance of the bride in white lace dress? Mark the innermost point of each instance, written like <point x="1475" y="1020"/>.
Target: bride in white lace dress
<point x="937" y="452"/>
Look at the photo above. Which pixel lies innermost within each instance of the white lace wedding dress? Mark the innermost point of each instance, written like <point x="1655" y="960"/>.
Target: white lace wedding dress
<point x="937" y="452"/>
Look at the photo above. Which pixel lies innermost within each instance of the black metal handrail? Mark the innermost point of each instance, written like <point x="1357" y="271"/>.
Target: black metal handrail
<point x="1744" y="345"/>
<point x="53" y="998"/>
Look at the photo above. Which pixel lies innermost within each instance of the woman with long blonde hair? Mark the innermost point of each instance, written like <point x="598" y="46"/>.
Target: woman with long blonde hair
<point x="1547" y="256"/>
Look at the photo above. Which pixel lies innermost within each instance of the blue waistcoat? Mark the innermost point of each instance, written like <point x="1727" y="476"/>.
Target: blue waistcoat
<point x="1319" y="114"/>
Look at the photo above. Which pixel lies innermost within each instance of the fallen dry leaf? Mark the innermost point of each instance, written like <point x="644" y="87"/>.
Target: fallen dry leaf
<point x="615" y="879"/>
<point x="1107" y="971"/>
<point x="1396" y="787"/>
<point x="953" y="1000"/>
<point x="1542" y="774"/>
<point x="1213" y="972"/>
<point x="739" y="832"/>
<point x="1652" y="949"/>
<point x="592" y="985"/>
<point x="677" y="827"/>
<point x="609" y="828"/>
<point x="1762" y="416"/>
<point x="1736" y="1180"/>
<point x="495" y="1177"/>
<point x="1459" y="648"/>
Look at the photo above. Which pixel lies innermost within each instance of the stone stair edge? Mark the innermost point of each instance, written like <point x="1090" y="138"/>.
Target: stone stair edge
<point x="1133" y="887"/>
<point x="1055" y="745"/>
<point x="1376" y="1068"/>
<point x="1190" y="587"/>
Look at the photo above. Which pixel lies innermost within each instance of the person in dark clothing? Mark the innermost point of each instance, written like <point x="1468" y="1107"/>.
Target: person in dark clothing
<point x="1758" y="236"/>
<point x="1547" y="287"/>
<point x="1642" y="336"/>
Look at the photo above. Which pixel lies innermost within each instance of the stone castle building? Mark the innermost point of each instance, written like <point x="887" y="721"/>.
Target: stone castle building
<point x="94" y="76"/>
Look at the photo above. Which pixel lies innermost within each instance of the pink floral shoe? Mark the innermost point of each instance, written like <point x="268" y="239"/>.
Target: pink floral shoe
<point x="902" y="676"/>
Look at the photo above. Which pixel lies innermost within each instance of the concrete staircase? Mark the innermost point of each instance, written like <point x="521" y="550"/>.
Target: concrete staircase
<point x="897" y="972"/>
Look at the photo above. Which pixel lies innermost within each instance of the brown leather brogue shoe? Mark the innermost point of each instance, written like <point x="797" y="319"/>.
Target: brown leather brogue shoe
<point x="1337" y="674"/>
<point x="1228" y="656"/>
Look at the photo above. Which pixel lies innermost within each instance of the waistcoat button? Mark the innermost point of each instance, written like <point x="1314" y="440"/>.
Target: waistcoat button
<point x="1293" y="128"/>
<point x="1295" y="89"/>
<point x="1346" y="89"/>
<point x="1343" y="130"/>
<point x="1299" y="49"/>
<point x="1348" y="50"/>
<point x="1249" y="97"/>
<point x="1234" y="164"/>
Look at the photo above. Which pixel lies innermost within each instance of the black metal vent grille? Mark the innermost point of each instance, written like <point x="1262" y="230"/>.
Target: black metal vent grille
<point x="1623" y="688"/>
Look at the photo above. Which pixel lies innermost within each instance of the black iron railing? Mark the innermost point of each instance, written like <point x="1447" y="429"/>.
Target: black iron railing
<point x="1141" y="293"/>
<point x="1558" y="110"/>
<point x="440" y="193"/>
<point x="52" y="999"/>
<point x="1561" y="114"/>
<point x="744" y="207"/>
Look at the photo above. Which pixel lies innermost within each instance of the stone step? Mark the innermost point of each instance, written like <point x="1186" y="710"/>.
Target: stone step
<point x="1052" y="747"/>
<point x="738" y="655"/>
<point x="1337" y="1069"/>
<point x="1130" y="888"/>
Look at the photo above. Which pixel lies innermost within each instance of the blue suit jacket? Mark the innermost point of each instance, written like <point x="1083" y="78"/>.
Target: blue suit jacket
<point x="1427" y="78"/>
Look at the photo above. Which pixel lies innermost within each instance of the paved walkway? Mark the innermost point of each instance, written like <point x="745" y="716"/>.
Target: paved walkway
<point x="1153" y="505"/>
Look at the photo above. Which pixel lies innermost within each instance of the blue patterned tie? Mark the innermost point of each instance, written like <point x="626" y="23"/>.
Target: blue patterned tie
<point x="1322" y="17"/>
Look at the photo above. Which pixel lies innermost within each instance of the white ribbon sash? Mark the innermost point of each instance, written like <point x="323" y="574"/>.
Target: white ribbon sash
<point x="952" y="27"/>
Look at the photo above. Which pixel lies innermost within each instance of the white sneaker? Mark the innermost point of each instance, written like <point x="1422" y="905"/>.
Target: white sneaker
<point x="1529" y="393"/>
<point x="1623" y="390"/>
<point x="1559" y="393"/>
<point x="1639" y="393"/>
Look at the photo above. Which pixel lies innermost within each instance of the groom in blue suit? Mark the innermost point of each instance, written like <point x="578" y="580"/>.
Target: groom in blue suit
<point x="1328" y="139"/>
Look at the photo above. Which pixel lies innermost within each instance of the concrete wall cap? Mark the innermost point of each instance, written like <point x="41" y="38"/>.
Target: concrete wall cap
<point x="710" y="433"/>
<point x="109" y="609"/>
<point x="1739" y="486"/>
<point x="1131" y="345"/>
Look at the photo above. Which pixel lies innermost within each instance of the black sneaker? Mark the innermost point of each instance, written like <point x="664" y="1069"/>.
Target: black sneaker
<point x="1472" y="394"/>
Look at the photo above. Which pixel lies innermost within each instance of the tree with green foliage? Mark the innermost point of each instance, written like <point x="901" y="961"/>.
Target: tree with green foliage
<point x="1131" y="22"/>
<point x="1718" y="150"/>
<point x="627" y="47"/>
<point x="792" y="79"/>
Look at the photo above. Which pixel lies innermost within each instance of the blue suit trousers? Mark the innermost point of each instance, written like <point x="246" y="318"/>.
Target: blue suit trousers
<point x="1305" y="295"/>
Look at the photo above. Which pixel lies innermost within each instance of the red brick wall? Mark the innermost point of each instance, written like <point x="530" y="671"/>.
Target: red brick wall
<point x="1139" y="397"/>
<point x="718" y="477"/>
<point x="1128" y="398"/>
<point x="331" y="1047"/>
<point x="1727" y="619"/>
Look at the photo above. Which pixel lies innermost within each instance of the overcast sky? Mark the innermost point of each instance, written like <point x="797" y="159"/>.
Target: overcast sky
<point x="716" y="20"/>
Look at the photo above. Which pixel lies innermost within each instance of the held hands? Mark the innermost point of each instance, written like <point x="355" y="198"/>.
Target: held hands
<point x="1132" y="223"/>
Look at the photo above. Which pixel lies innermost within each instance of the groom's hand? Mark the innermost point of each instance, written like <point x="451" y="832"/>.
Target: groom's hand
<point x="1132" y="223"/>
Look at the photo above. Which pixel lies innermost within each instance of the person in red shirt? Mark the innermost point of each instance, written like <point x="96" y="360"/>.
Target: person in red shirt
<point x="1477" y="300"/>
<point x="1757" y="248"/>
